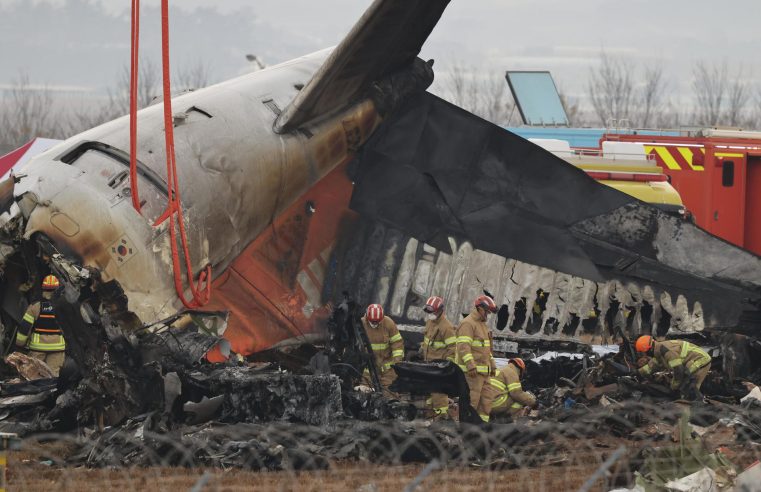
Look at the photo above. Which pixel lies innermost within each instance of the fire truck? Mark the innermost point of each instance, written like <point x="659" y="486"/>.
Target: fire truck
<point x="717" y="172"/>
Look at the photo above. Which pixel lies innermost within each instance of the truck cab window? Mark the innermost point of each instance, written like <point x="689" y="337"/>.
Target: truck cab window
<point x="728" y="173"/>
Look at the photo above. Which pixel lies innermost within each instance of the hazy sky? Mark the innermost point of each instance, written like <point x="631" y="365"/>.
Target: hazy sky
<point x="82" y="45"/>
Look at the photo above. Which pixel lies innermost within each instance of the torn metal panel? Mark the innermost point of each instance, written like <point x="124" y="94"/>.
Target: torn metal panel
<point x="253" y="397"/>
<point x="204" y="410"/>
<point x="435" y="171"/>
<point x="29" y="368"/>
<point x="574" y="309"/>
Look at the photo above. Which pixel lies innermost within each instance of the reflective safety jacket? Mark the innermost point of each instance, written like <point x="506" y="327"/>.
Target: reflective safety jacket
<point x="507" y="383"/>
<point x="39" y="330"/>
<point x="439" y="340"/>
<point x="681" y="358"/>
<point x="386" y="342"/>
<point x="474" y="345"/>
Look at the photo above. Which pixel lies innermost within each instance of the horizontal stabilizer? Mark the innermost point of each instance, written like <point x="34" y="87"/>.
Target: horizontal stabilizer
<point x="387" y="38"/>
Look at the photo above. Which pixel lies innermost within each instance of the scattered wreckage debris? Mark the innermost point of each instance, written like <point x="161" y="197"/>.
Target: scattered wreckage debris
<point x="29" y="368"/>
<point x="260" y="418"/>
<point x="137" y="381"/>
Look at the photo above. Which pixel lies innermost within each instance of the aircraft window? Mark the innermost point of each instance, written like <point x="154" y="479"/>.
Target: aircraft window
<point x="728" y="173"/>
<point x="109" y="167"/>
<point x="119" y="156"/>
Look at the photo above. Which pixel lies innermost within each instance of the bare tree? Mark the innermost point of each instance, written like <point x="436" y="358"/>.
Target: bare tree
<point x="494" y="103"/>
<point x="671" y="116"/>
<point x="572" y="109"/>
<point x="148" y="86"/>
<point x="651" y="96"/>
<point x="738" y="99"/>
<point x="81" y="117"/>
<point x="755" y="122"/>
<point x="460" y="89"/>
<point x="721" y="98"/>
<point x="191" y="77"/>
<point x="611" y="89"/>
<point x="480" y="92"/>
<point x="709" y="85"/>
<point x="28" y="112"/>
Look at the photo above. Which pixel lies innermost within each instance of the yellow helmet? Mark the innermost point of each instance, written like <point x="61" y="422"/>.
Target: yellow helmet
<point x="50" y="283"/>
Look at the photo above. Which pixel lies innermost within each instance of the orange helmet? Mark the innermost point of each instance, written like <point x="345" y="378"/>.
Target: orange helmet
<point x="434" y="304"/>
<point x="518" y="362"/>
<point x="644" y="343"/>
<point x="374" y="313"/>
<point x="50" y="283"/>
<point x="486" y="302"/>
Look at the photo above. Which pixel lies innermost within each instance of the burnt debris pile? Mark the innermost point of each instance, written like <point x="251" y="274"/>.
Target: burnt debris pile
<point x="308" y="407"/>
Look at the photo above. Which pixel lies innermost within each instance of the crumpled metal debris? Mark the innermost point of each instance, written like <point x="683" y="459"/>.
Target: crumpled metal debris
<point x="250" y="396"/>
<point x="204" y="410"/>
<point x="749" y="479"/>
<point x="754" y="395"/>
<point x="681" y="467"/>
<point x="28" y="367"/>
<point x="704" y="480"/>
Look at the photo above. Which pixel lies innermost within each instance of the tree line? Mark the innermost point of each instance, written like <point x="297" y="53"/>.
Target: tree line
<point x="28" y="110"/>
<point x="618" y="93"/>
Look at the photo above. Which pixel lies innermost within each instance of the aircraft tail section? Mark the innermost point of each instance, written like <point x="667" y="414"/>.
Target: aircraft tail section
<point x="385" y="40"/>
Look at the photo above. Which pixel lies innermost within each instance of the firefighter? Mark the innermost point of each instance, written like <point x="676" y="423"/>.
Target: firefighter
<point x="505" y="392"/>
<point x="474" y="354"/>
<point x="438" y="344"/>
<point x="687" y="363"/>
<point x="385" y="341"/>
<point x="39" y="331"/>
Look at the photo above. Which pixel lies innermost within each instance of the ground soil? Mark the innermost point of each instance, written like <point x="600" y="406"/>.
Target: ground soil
<point x="39" y="470"/>
<point x="365" y="478"/>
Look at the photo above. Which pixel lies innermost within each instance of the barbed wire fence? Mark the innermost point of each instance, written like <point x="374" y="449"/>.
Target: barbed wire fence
<point x="576" y="448"/>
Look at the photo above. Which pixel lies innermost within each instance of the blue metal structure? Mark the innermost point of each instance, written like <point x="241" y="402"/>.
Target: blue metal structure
<point x="580" y="137"/>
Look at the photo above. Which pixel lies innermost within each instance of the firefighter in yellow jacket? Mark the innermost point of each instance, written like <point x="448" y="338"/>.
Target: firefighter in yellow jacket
<point x="39" y="331"/>
<point x="438" y="344"/>
<point x="505" y="391"/>
<point x="474" y="355"/>
<point x="385" y="341"/>
<point x="687" y="363"/>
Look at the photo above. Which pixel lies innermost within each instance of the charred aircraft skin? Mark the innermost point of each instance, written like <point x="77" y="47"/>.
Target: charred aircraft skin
<point x="478" y="186"/>
<point x="254" y="152"/>
<point x="242" y="185"/>
<point x="236" y="176"/>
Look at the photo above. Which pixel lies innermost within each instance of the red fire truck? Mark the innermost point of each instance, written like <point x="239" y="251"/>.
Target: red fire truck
<point x="717" y="172"/>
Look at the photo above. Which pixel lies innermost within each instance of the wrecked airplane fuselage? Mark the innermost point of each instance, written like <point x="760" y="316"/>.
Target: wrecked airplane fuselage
<point x="237" y="176"/>
<point x="267" y="191"/>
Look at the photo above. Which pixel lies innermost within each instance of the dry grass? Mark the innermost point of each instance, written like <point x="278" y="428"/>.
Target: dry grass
<point x="368" y="478"/>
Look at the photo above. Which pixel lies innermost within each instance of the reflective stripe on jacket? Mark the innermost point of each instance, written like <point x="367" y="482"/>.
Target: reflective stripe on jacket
<point x="39" y="330"/>
<point x="439" y="340"/>
<point x="474" y="345"/>
<point x="507" y="383"/>
<point x="676" y="356"/>
<point x="386" y="342"/>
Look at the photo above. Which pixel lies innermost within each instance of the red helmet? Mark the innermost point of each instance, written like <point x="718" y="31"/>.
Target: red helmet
<point x="434" y="304"/>
<point x="518" y="362"/>
<point x="486" y="302"/>
<point x="50" y="283"/>
<point x="374" y="313"/>
<point x="644" y="343"/>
